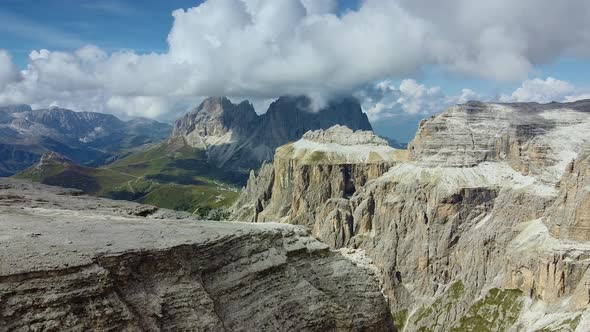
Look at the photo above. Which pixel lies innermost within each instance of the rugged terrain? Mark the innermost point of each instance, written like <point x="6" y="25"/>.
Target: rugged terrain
<point x="87" y="138"/>
<point x="324" y="165"/>
<point x="235" y="137"/>
<point x="484" y="228"/>
<point x="200" y="167"/>
<point x="71" y="262"/>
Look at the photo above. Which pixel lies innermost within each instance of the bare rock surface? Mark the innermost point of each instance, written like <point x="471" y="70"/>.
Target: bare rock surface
<point x="70" y="262"/>
<point x="323" y="165"/>
<point x="483" y="228"/>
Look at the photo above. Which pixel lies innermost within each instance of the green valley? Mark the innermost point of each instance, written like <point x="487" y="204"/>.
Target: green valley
<point x="169" y="175"/>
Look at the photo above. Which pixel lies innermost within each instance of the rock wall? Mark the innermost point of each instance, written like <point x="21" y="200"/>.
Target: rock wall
<point x="82" y="263"/>
<point x="482" y="229"/>
<point x="569" y="217"/>
<point x="321" y="168"/>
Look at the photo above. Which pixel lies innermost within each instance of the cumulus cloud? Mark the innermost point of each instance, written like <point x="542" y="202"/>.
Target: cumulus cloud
<point x="385" y="99"/>
<point x="543" y="91"/>
<point x="265" y="48"/>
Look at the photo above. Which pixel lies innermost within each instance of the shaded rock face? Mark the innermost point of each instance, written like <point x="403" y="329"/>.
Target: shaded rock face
<point x="288" y="118"/>
<point x="15" y="158"/>
<point x="235" y="136"/>
<point x="483" y="228"/>
<point x="569" y="217"/>
<point x="78" y="262"/>
<point x="85" y="137"/>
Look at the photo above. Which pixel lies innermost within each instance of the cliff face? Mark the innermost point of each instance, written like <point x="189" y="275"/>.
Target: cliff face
<point x="535" y="139"/>
<point x="324" y="166"/>
<point x="80" y="263"/>
<point x="483" y="228"/>
<point x="569" y="217"/>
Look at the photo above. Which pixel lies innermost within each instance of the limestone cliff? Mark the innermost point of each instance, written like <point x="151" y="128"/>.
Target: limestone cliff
<point x="484" y="228"/>
<point x="83" y="263"/>
<point x="325" y="165"/>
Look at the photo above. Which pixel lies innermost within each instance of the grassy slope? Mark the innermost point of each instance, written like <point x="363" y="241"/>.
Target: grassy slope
<point x="91" y="180"/>
<point x="169" y="175"/>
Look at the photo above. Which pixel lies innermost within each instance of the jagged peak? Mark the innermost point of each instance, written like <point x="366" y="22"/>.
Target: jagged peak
<point x="222" y="103"/>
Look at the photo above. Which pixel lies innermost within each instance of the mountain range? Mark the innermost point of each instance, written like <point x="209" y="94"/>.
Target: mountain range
<point x="481" y="224"/>
<point x="199" y="167"/>
<point x="235" y="137"/>
<point x="87" y="138"/>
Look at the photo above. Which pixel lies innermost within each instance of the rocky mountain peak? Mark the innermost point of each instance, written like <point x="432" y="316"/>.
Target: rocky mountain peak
<point x="536" y="139"/>
<point x="234" y="132"/>
<point x="88" y="138"/>
<point x="71" y="122"/>
<point x="288" y="118"/>
<point x="216" y="116"/>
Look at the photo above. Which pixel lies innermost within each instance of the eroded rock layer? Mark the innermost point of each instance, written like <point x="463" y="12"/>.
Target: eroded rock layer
<point x="321" y="168"/>
<point x="81" y="263"/>
<point x="484" y="228"/>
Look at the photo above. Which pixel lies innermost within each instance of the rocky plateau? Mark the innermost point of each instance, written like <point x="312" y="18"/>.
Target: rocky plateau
<point x="75" y="262"/>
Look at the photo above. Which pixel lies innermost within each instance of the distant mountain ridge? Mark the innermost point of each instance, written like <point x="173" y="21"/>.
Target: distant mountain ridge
<point x="234" y="134"/>
<point x="87" y="138"/>
<point x="207" y="157"/>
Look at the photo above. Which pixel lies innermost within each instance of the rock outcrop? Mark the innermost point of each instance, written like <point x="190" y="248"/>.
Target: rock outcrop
<point x="483" y="228"/>
<point x="235" y="136"/>
<point x="73" y="262"/>
<point x="569" y="217"/>
<point x="53" y="158"/>
<point x="323" y="166"/>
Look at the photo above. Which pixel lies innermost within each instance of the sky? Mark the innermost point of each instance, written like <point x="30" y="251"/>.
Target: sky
<point x="403" y="59"/>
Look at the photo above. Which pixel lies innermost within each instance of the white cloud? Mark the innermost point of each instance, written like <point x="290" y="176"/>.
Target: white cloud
<point x="542" y="91"/>
<point x="577" y="96"/>
<point x="385" y="99"/>
<point x="467" y="95"/>
<point x="265" y="48"/>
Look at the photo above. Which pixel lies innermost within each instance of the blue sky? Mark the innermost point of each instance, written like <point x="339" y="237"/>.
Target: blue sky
<point x="404" y="59"/>
<point x="69" y="24"/>
<point x="110" y="24"/>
